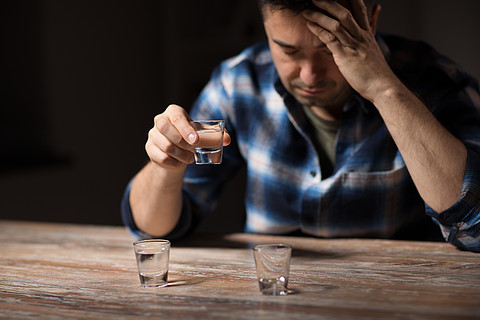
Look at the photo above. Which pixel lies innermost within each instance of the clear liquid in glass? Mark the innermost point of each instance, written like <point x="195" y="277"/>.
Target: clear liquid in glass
<point x="273" y="287"/>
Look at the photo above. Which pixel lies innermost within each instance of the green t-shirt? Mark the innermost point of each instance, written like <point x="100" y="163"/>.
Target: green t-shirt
<point x="324" y="134"/>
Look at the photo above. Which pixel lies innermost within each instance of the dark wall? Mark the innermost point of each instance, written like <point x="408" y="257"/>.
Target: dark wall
<point x="81" y="81"/>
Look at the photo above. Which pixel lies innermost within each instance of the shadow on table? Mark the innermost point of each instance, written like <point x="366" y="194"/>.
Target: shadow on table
<point x="209" y="240"/>
<point x="305" y="254"/>
<point x="184" y="282"/>
<point x="304" y="247"/>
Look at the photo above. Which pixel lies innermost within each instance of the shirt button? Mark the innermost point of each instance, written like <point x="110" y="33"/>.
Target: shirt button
<point x="313" y="173"/>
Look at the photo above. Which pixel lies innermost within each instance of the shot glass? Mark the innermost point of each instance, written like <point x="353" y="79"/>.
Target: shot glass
<point x="152" y="261"/>
<point x="272" y="262"/>
<point x="209" y="149"/>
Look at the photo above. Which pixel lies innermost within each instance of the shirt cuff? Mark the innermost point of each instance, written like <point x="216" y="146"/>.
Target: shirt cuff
<point x="460" y="224"/>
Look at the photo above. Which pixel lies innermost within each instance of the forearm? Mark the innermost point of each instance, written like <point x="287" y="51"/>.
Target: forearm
<point x="436" y="160"/>
<point x="156" y="199"/>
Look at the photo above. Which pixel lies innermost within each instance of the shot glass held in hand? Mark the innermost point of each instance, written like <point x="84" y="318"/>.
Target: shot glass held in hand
<point x="209" y="149"/>
<point x="272" y="262"/>
<point x="152" y="261"/>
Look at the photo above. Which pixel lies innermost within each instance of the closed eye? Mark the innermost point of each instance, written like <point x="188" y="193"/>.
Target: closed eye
<point x="291" y="53"/>
<point x="327" y="52"/>
<point x="288" y="49"/>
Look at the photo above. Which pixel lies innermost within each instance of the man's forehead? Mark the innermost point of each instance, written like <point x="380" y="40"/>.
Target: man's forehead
<point x="289" y="30"/>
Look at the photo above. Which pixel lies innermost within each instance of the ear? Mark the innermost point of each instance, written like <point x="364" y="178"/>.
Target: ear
<point x="376" y="8"/>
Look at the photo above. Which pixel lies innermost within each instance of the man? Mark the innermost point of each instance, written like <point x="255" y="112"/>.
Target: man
<point x="343" y="134"/>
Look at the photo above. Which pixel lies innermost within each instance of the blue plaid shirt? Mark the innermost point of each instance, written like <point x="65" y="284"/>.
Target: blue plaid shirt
<point x="370" y="192"/>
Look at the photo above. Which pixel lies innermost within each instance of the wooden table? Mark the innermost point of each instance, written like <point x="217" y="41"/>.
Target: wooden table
<point x="63" y="271"/>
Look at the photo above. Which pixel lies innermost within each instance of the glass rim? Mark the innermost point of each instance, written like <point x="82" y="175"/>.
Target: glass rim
<point x="272" y="246"/>
<point x="213" y="123"/>
<point x="208" y="121"/>
<point x="159" y="241"/>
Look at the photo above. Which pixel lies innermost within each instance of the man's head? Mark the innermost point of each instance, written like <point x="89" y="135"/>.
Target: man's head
<point x="305" y="65"/>
<point x="297" y="6"/>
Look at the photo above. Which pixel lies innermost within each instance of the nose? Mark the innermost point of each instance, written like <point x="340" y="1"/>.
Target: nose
<point x="311" y="72"/>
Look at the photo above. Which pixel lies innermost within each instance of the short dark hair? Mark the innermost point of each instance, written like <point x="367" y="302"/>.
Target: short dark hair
<point x="296" y="6"/>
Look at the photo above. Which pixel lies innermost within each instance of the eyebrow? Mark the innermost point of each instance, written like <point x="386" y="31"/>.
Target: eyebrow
<point x="291" y="46"/>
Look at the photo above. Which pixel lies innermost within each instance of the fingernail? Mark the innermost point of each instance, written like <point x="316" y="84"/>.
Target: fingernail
<point x="191" y="138"/>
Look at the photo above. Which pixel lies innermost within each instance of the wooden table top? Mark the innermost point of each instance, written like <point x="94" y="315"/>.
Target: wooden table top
<point x="65" y="271"/>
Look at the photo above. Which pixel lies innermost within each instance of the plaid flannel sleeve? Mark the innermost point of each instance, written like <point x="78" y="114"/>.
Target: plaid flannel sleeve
<point x="460" y="224"/>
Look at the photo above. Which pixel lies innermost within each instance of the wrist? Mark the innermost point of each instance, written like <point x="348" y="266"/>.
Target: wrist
<point x="390" y="92"/>
<point x="161" y="177"/>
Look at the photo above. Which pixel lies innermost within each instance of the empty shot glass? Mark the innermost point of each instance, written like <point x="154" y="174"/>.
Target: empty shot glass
<point x="152" y="261"/>
<point x="209" y="149"/>
<point x="272" y="262"/>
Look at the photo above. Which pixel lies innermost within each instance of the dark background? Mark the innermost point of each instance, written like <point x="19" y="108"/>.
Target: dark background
<point x="81" y="81"/>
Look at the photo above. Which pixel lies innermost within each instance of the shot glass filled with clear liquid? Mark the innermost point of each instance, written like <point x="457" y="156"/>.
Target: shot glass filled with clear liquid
<point x="152" y="261"/>
<point x="272" y="262"/>
<point x="209" y="149"/>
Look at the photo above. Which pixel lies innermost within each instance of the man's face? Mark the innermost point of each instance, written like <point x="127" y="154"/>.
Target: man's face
<point x="304" y="64"/>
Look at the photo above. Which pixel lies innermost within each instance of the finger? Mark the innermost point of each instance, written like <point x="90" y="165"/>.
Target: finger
<point x="167" y="129"/>
<point x="174" y="151"/>
<point x="226" y="138"/>
<point x="326" y="37"/>
<point x="327" y="29"/>
<point x="162" y="159"/>
<point x="336" y="19"/>
<point x="164" y="152"/>
<point x="360" y="14"/>
<point x="323" y="34"/>
<point x="180" y="119"/>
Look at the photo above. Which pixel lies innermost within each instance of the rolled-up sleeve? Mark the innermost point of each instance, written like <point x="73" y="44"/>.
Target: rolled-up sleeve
<point x="460" y="224"/>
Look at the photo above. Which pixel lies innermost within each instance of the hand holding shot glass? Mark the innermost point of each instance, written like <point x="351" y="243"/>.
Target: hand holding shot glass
<point x="209" y="149"/>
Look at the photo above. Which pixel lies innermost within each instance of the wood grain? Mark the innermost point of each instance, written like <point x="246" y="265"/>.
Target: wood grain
<point x="63" y="271"/>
